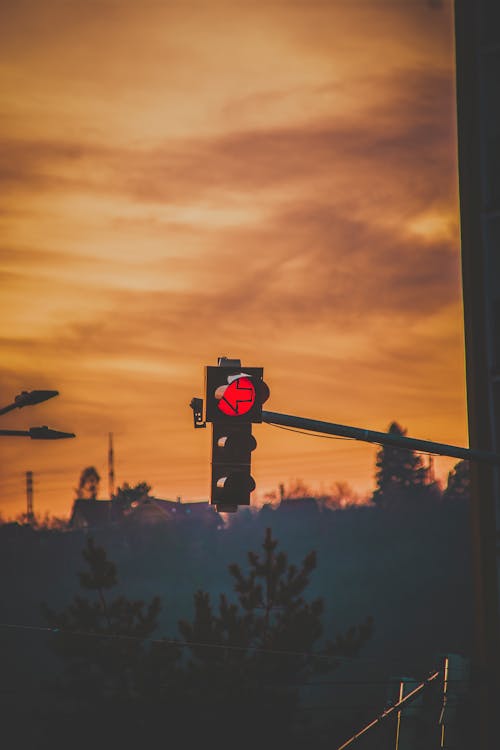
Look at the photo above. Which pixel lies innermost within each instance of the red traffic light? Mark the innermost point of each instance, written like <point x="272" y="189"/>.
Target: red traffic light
<point x="234" y="394"/>
<point x="237" y="397"/>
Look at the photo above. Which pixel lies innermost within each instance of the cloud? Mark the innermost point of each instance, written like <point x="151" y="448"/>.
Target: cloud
<point x="336" y="201"/>
<point x="276" y="182"/>
<point x="402" y="129"/>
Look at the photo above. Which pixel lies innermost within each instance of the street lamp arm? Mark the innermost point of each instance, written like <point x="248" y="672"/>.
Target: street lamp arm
<point x="29" y="398"/>
<point x="45" y="433"/>
<point x="38" y="433"/>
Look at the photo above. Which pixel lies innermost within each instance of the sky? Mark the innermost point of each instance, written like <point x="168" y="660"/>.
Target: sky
<point x="269" y="181"/>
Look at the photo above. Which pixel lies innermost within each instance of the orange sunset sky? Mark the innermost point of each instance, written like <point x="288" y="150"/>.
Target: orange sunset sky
<point x="274" y="181"/>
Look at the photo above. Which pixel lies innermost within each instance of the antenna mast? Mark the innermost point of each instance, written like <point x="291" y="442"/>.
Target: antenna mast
<point x="29" y="497"/>
<point x="111" y="467"/>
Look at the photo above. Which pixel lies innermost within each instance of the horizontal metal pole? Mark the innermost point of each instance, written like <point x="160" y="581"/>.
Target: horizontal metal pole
<point x="383" y="438"/>
<point x="39" y="433"/>
<point x="8" y="408"/>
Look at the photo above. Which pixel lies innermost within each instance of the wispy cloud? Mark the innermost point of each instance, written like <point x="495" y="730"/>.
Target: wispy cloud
<point x="274" y="181"/>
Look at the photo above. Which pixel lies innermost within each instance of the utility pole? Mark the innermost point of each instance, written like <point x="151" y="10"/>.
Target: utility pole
<point x="477" y="51"/>
<point x="29" y="497"/>
<point x="111" y="467"/>
<point x="442" y="717"/>
<point x="389" y="712"/>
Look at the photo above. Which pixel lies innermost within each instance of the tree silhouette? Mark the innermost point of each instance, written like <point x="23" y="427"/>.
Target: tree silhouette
<point x="126" y="496"/>
<point x="252" y="656"/>
<point x="242" y="667"/>
<point x="401" y="474"/>
<point x="88" y="486"/>
<point x="458" y="485"/>
<point x="101" y="641"/>
<point x="109" y="670"/>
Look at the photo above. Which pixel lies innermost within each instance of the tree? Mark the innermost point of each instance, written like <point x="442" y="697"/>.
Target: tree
<point x="43" y="523"/>
<point x="88" y="486"/>
<point x="101" y="640"/>
<point x="126" y="496"/>
<point x="251" y="657"/>
<point x="342" y="495"/>
<point x="242" y="667"/>
<point x="458" y="485"/>
<point x="108" y="668"/>
<point x="401" y="474"/>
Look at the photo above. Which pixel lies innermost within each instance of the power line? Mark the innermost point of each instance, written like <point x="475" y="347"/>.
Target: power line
<point x="172" y="642"/>
<point x="309" y="433"/>
<point x="193" y="644"/>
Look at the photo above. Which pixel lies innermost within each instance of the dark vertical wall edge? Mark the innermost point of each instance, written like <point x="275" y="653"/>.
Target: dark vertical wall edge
<point x="480" y="413"/>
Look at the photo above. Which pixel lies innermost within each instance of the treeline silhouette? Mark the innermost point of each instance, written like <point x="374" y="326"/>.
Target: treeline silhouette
<point x="125" y="643"/>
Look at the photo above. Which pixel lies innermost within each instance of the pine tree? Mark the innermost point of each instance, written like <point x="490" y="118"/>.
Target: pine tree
<point x="243" y="665"/>
<point x="114" y="680"/>
<point x="101" y="640"/>
<point x="458" y="485"/>
<point x="261" y="649"/>
<point x="401" y="474"/>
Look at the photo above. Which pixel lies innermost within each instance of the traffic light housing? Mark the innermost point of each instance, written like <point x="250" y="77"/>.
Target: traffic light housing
<point x="232" y="481"/>
<point x="233" y="401"/>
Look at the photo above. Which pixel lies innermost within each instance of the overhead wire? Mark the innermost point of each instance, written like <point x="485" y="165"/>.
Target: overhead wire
<point x="307" y="684"/>
<point x="312" y="433"/>
<point x="194" y="644"/>
<point x="308" y="432"/>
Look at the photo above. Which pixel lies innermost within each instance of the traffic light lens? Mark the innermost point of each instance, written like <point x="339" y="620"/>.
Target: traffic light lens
<point x="237" y="398"/>
<point x="237" y="443"/>
<point x="236" y="482"/>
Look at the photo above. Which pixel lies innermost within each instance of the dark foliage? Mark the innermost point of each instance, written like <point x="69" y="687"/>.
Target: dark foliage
<point x="101" y="641"/>
<point x="458" y="486"/>
<point x="409" y="566"/>
<point x="261" y="649"/>
<point x="126" y="496"/>
<point x="401" y="475"/>
<point x="247" y="660"/>
<point x="88" y="486"/>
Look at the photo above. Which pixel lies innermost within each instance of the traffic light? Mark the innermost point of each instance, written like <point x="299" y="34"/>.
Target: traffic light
<point x="234" y="397"/>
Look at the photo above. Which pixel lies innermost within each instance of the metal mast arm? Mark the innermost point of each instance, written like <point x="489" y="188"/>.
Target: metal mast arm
<point x="383" y="438"/>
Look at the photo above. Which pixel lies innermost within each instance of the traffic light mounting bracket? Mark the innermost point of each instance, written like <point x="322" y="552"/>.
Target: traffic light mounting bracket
<point x="196" y="405"/>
